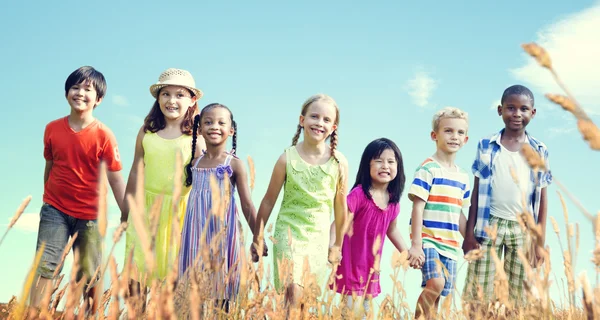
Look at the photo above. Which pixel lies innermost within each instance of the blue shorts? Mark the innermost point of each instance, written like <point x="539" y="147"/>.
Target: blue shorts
<point x="430" y="269"/>
<point x="55" y="230"/>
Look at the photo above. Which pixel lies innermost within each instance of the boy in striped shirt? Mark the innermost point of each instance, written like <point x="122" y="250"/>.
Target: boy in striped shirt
<point x="440" y="192"/>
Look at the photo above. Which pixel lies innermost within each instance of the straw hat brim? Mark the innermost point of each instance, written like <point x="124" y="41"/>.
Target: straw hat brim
<point x="157" y="86"/>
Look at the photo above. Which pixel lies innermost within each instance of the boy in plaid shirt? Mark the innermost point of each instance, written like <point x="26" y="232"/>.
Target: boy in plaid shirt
<point x="497" y="198"/>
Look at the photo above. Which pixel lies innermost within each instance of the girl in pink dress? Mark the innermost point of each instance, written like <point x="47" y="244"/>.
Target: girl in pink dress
<point x="374" y="205"/>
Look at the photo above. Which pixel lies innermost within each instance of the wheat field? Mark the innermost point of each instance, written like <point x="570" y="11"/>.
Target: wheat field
<point x="259" y="300"/>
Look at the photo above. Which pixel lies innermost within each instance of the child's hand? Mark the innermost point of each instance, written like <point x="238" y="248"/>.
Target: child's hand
<point x="254" y="250"/>
<point x="416" y="257"/>
<point x="335" y="255"/>
<point x="470" y="243"/>
<point x="539" y="257"/>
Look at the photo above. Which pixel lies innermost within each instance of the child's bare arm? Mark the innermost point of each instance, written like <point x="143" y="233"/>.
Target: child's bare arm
<point x="340" y="211"/>
<point x="117" y="185"/>
<point x="47" y="169"/>
<point x="340" y="208"/>
<point x="332" y="234"/>
<point x="393" y="233"/>
<point x="416" y="250"/>
<point x="462" y="224"/>
<point x="241" y="181"/>
<point x="470" y="242"/>
<point x="131" y="187"/>
<point x="542" y="216"/>
<point x="268" y="201"/>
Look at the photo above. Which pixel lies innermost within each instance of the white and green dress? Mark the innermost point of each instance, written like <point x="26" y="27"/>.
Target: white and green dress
<point x="305" y="215"/>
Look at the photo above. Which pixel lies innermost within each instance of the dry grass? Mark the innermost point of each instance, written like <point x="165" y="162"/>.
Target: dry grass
<point x="258" y="299"/>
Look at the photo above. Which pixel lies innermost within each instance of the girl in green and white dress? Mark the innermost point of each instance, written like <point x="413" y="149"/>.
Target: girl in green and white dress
<point x="313" y="174"/>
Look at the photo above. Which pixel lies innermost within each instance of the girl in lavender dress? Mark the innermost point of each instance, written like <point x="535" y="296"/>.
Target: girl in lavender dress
<point x="374" y="205"/>
<point x="220" y="222"/>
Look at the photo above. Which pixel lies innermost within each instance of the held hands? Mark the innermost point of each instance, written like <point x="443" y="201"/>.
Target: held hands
<point x="470" y="243"/>
<point x="255" y="247"/>
<point x="335" y="255"/>
<point x="416" y="256"/>
<point x="538" y="257"/>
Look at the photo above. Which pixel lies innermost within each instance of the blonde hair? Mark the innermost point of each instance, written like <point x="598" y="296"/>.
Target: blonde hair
<point x="333" y="138"/>
<point x="448" y="113"/>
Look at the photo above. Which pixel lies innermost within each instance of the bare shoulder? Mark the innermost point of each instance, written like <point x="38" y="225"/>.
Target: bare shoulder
<point x="342" y="159"/>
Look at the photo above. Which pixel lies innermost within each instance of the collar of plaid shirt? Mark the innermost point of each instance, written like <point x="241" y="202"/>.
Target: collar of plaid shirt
<point x="487" y="149"/>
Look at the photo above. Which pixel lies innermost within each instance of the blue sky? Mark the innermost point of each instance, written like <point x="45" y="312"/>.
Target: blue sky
<point x="389" y="66"/>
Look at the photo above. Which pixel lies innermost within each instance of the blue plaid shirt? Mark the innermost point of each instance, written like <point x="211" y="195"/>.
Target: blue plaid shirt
<point x="487" y="150"/>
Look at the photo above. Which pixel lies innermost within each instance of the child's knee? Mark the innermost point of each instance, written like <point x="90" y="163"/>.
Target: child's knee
<point x="435" y="286"/>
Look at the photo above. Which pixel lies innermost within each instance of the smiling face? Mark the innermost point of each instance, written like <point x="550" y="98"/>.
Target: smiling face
<point x="319" y="120"/>
<point x="83" y="97"/>
<point x="384" y="168"/>
<point x="451" y="134"/>
<point x="174" y="102"/>
<point x="516" y="112"/>
<point x="216" y="126"/>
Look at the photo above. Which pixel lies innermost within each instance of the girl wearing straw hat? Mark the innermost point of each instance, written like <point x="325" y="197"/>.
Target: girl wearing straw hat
<point x="164" y="137"/>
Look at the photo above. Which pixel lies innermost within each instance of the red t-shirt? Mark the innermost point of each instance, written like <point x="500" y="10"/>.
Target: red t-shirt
<point x="72" y="185"/>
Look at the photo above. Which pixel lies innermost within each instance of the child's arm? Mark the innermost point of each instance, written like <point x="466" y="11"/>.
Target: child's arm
<point x="117" y="184"/>
<point x="332" y="236"/>
<point x="47" y="169"/>
<point x="241" y="181"/>
<point x="395" y="237"/>
<point x="416" y="254"/>
<point x="340" y="211"/>
<point x="462" y="225"/>
<point x="470" y="242"/>
<point x="542" y="222"/>
<point x="340" y="208"/>
<point x="268" y="202"/>
<point x="132" y="186"/>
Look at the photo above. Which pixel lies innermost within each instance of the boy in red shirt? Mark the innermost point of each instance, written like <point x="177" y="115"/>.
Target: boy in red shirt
<point x="74" y="146"/>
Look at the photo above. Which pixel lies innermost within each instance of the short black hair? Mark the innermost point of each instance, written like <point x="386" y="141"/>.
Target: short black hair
<point x="372" y="151"/>
<point x="517" y="89"/>
<point x="87" y="73"/>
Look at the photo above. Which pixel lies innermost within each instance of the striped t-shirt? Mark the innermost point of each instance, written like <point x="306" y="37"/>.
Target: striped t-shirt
<point x="446" y="193"/>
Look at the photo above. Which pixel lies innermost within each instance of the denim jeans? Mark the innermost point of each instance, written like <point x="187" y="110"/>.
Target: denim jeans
<point x="55" y="230"/>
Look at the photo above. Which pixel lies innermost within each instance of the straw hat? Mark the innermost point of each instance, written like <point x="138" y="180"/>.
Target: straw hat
<point x="175" y="77"/>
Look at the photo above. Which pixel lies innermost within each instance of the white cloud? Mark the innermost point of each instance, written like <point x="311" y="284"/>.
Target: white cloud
<point x="120" y="101"/>
<point x="28" y="222"/>
<point x="573" y="46"/>
<point x="421" y="87"/>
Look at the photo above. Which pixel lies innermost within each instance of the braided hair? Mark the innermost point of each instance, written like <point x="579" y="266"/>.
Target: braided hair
<point x="188" y="167"/>
<point x="333" y="138"/>
<point x="197" y="118"/>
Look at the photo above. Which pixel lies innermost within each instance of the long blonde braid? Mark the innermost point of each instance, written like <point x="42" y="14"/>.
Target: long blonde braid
<point x="297" y="135"/>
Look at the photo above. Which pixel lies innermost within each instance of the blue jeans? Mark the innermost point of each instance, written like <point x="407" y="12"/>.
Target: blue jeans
<point x="55" y="230"/>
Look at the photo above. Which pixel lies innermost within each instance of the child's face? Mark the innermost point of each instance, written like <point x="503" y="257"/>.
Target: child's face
<point x="175" y="101"/>
<point x="319" y="121"/>
<point x="216" y="126"/>
<point x="516" y="112"/>
<point x="83" y="97"/>
<point x="451" y="134"/>
<point x="384" y="168"/>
